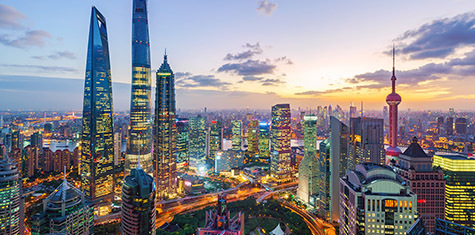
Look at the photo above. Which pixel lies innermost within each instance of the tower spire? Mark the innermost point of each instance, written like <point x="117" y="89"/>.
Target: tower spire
<point x="393" y="78"/>
<point x="165" y="56"/>
<point x="394" y="62"/>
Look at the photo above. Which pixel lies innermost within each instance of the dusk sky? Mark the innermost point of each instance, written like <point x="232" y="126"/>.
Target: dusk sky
<point x="248" y="53"/>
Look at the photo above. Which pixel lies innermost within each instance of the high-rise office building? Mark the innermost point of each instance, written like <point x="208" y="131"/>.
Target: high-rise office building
<point x="12" y="205"/>
<point x="17" y="140"/>
<point x="182" y="140"/>
<point x="309" y="168"/>
<point x="138" y="203"/>
<point x="228" y="160"/>
<point x="215" y="140"/>
<point x="117" y="148"/>
<point x="415" y="166"/>
<point x="65" y="211"/>
<point x="165" y="132"/>
<point x="36" y="139"/>
<point x="237" y="134"/>
<point x="393" y="100"/>
<point x="338" y="163"/>
<point x="459" y="173"/>
<point x="264" y="144"/>
<point x="97" y="139"/>
<point x="375" y="200"/>
<point x="323" y="200"/>
<point x="198" y="142"/>
<point x="461" y="126"/>
<point x="366" y="141"/>
<point x="449" y="126"/>
<point x="280" y="141"/>
<point x="139" y="140"/>
<point x="253" y="138"/>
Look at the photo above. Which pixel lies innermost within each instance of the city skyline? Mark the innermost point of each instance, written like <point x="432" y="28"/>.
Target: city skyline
<point x="243" y="65"/>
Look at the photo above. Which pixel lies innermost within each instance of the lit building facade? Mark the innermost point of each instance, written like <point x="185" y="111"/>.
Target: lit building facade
<point x="182" y="140"/>
<point x="461" y="126"/>
<point x="280" y="141"/>
<point x="253" y="138"/>
<point x="117" y="148"/>
<point x="366" y="141"/>
<point x="215" y="140"/>
<point x="97" y="139"/>
<point x="237" y="134"/>
<point x="415" y="166"/>
<point x="64" y="211"/>
<point x="393" y="100"/>
<point x="138" y="203"/>
<point x="339" y="135"/>
<point x="197" y="141"/>
<point x="264" y="144"/>
<point x="308" y="168"/>
<point x="375" y="200"/>
<point x="11" y="211"/>
<point x="139" y="140"/>
<point x="165" y="132"/>
<point x="459" y="172"/>
<point x="323" y="200"/>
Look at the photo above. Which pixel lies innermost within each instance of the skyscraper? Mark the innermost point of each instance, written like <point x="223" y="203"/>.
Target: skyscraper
<point x="393" y="100"/>
<point x="138" y="203"/>
<point x="459" y="172"/>
<point x="280" y="141"/>
<point x="338" y="163"/>
<point x="264" y="142"/>
<point x="215" y="140"/>
<point x="182" y="140"/>
<point x="139" y="141"/>
<point x="461" y="126"/>
<point x="366" y="141"/>
<point x="197" y="141"/>
<point x="165" y="132"/>
<point x="253" y="138"/>
<point x="237" y="134"/>
<point x="11" y="209"/>
<point x="65" y="211"/>
<point x="308" y="168"/>
<point x="324" y="179"/>
<point x="97" y="139"/>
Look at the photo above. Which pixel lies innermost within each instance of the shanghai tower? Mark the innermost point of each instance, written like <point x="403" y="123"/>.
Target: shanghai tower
<point x="97" y="139"/>
<point x="165" y="132"/>
<point x="139" y="141"/>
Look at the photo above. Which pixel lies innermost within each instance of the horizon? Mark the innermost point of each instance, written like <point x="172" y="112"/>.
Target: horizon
<point x="346" y="60"/>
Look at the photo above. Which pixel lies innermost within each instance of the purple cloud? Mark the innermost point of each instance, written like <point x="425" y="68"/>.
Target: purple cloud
<point x="32" y="38"/>
<point x="10" y="18"/>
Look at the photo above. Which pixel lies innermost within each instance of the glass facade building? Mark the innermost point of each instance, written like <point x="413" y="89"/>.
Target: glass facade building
<point x="237" y="134"/>
<point x="97" y="140"/>
<point x="215" y="140"/>
<point x="264" y="144"/>
<point x="165" y="132"/>
<point x="308" y="168"/>
<point x="182" y="140"/>
<point x="459" y="172"/>
<point x="280" y="141"/>
<point x="253" y="138"/>
<point x="197" y="141"/>
<point x="11" y="205"/>
<point x="138" y="203"/>
<point x="139" y="141"/>
<point x="323" y="201"/>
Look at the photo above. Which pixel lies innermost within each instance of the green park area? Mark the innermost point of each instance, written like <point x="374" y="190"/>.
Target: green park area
<point x="264" y="216"/>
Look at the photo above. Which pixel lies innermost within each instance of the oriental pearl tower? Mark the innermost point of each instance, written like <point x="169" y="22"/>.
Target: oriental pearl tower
<point x="393" y="100"/>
